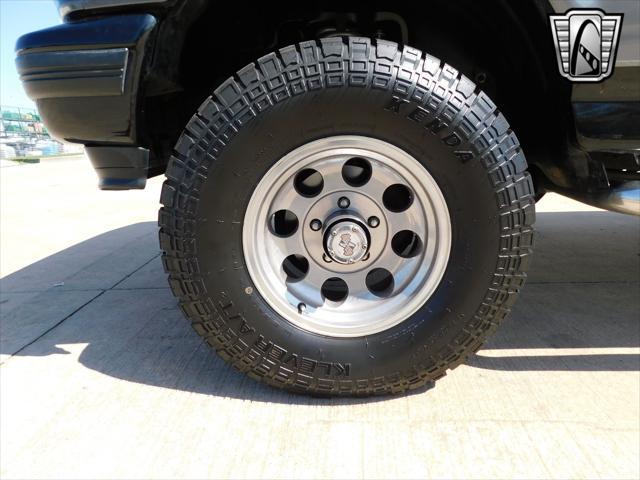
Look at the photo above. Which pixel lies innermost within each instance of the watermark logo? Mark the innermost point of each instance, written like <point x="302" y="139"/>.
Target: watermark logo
<point x="586" y="43"/>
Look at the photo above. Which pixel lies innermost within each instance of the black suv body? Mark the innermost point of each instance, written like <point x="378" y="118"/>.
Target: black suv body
<point x="122" y="77"/>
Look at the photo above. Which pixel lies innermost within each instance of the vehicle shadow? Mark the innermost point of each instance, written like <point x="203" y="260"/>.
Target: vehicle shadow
<point x="579" y="312"/>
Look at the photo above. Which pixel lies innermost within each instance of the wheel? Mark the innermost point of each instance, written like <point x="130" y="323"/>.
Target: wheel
<point x="346" y="217"/>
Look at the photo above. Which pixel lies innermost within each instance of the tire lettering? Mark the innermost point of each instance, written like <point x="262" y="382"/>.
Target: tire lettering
<point x="306" y="365"/>
<point x="394" y="105"/>
<point x="262" y="345"/>
<point x="420" y="116"/>
<point x="435" y="125"/>
<point x="291" y="360"/>
<point x="464" y="155"/>
<point x="452" y="139"/>
<point x="326" y="367"/>
<point x="341" y="369"/>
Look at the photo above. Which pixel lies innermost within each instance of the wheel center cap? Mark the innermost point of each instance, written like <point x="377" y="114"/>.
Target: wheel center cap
<point x="346" y="242"/>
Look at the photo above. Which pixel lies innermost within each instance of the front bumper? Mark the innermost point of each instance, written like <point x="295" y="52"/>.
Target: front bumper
<point x="84" y="76"/>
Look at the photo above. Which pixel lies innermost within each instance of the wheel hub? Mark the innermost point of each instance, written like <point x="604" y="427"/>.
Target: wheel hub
<point x="346" y="236"/>
<point x="346" y="242"/>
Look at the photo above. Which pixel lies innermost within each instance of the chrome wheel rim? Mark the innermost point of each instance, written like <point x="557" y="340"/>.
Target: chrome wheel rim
<point x="346" y="236"/>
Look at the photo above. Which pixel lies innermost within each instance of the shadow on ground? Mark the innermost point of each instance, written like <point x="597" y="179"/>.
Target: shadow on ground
<point x="110" y="294"/>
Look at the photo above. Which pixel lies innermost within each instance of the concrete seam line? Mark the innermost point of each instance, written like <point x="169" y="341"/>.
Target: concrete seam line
<point x="57" y="324"/>
<point x="51" y="328"/>
<point x="136" y="270"/>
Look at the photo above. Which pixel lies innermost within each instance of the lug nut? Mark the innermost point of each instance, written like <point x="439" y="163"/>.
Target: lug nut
<point x="373" y="222"/>
<point x="315" y="225"/>
<point x="343" y="202"/>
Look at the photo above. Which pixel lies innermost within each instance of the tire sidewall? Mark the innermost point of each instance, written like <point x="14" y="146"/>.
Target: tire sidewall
<point x="421" y="341"/>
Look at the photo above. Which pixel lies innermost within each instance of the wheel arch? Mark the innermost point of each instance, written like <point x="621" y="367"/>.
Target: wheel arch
<point x="505" y="47"/>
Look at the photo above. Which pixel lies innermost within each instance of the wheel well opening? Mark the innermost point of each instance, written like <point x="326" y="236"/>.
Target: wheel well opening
<point x="504" y="47"/>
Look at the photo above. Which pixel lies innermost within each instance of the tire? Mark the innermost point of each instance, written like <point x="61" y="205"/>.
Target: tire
<point x="354" y="87"/>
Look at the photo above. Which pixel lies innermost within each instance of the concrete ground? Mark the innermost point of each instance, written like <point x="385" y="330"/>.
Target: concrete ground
<point x="102" y="378"/>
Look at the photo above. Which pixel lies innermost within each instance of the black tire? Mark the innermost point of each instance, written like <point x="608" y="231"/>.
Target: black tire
<point x="346" y="86"/>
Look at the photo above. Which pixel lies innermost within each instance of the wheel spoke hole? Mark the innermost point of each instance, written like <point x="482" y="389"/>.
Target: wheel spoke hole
<point x="308" y="182"/>
<point x="380" y="282"/>
<point x="295" y="267"/>
<point x="356" y="171"/>
<point x="406" y="244"/>
<point x="397" y="198"/>
<point x="283" y="223"/>
<point x="335" y="289"/>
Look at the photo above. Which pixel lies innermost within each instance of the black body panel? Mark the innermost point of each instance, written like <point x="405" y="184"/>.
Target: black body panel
<point x="84" y="76"/>
<point x="106" y="32"/>
<point x="107" y="78"/>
